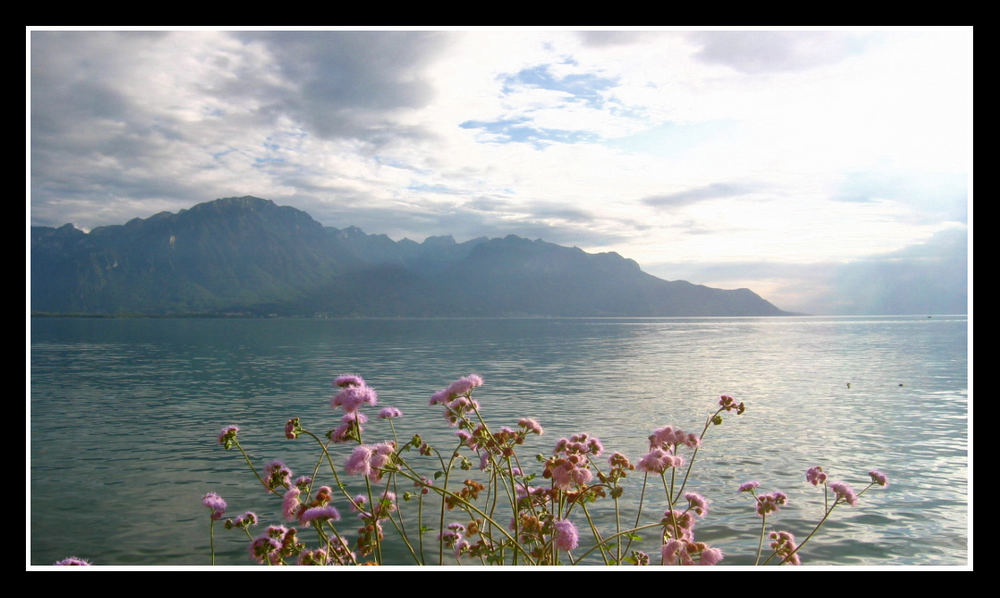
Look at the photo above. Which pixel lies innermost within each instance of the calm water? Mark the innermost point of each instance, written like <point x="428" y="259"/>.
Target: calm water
<point x="124" y="416"/>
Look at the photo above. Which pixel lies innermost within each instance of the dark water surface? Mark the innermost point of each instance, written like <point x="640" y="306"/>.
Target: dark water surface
<point x="124" y="416"/>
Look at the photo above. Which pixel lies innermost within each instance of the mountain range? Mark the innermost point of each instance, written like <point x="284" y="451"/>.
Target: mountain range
<point x="249" y="256"/>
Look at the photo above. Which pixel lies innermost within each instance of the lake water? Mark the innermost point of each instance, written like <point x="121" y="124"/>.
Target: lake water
<point x="124" y="416"/>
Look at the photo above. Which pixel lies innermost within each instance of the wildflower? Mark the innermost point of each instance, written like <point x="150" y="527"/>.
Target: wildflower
<point x="265" y="549"/>
<point x="73" y="561"/>
<point x="352" y="397"/>
<point x="673" y="551"/>
<point x="879" y="478"/>
<point x="748" y="486"/>
<point x="290" y="504"/>
<point x="320" y="513"/>
<point x="668" y="437"/>
<point x="681" y="524"/>
<point x="302" y="482"/>
<point x="360" y="461"/>
<point x="530" y="425"/>
<point x="659" y="460"/>
<point x="368" y="460"/>
<point x="277" y="474"/>
<point x="214" y="501"/>
<point x="815" y="475"/>
<point x="710" y="556"/>
<point x="227" y="436"/>
<point x="785" y="547"/>
<point x="293" y="428"/>
<point x="844" y="493"/>
<point x="463" y="386"/>
<point x="389" y="412"/>
<point x="565" y="535"/>
<point x="246" y="519"/>
<point x="769" y="503"/>
<point x="698" y="503"/>
<point x="349" y="380"/>
<point x="729" y="403"/>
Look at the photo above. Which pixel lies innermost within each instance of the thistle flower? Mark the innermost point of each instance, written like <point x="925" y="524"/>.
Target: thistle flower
<point x="815" y="475"/>
<point x="72" y="561"/>
<point x="844" y="493"/>
<point x="879" y="478"/>
<point x="565" y="535"/>
<point x="214" y="502"/>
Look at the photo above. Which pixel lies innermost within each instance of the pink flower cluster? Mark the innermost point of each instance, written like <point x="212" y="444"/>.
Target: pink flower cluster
<point x="277" y="475"/>
<point x="785" y="547"/>
<point x="769" y="503"/>
<point x="457" y="398"/>
<point x="564" y="535"/>
<point x="682" y="552"/>
<point x="844" y="493"/>
<point x="454" y="538"/>
<point x="729" y="404"/>
<point x="369" y="459"/>
<point x="815" y="475"/>
<point x="72" y="561"/>
<point x="879" y="478"/>
<point x="214" y="502"/>
<point x="569" y="466"/>
<point x="354" y="393"/>
<point x="227" y="436"/>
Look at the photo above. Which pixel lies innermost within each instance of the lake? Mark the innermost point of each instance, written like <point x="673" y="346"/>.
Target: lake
<point x="124" y="415"/>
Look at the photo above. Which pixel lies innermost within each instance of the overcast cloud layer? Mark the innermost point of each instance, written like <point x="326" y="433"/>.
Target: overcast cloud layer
<point x="829" y="171"/>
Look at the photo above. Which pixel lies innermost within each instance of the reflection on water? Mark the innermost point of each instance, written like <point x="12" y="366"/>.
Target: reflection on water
<point x="124" y="415"/>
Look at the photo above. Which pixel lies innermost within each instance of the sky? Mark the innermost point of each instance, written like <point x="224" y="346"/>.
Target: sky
<point x="827" y="169"/>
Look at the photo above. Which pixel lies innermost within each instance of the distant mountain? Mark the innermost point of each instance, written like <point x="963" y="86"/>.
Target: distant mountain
<point x="246" y="255"/>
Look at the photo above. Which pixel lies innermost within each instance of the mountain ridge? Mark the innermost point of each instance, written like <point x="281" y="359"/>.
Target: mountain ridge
<point x="247" y="255"/>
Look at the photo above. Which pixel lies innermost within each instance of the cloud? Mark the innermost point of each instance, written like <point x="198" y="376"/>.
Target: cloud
<point x="698" y="194"/>
<point x="756" y="52"/>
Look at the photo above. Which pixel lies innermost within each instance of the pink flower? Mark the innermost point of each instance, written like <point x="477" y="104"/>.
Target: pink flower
<point x="698" y="503"/>
<point x="710" y="556"/>
<point x="565" y="536"/>
<point x="73" y="561"/>
<point x="465" y="385"/>
<point x="659" y="460"/>
<point x="815" y="475"/>
<point x="277" y="474"/>
<point x="227" y="436"/>
<point x="769" y="503"/>
<point x="349" y="380"/>
<point x="784" y="546"/>
<point x="879" y="478"/>
<point x="246" y="519"/>
<point x="214" y="502"/>
<point x="390" y="412"/>
<point x="320" y="513"/>
<point x="675" y="551"/>
<point x="360" y="461"/>
<point x="290" y="504"/>
<point x="293" y="428"/>
<point x="353" y="397"/>
<point x="530" y="425"/>
<point x="844" y="493"/>
<point x="748" y="486"/>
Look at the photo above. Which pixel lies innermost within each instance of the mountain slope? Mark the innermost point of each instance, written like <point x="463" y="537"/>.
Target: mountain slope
<point x="249" y="255"/>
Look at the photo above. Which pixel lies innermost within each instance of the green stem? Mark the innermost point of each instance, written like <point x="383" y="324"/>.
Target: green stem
<point x="211" y="538"/>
